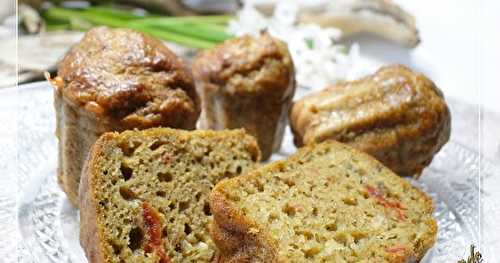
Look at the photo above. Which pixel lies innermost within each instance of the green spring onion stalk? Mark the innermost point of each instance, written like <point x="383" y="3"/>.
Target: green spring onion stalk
<point x="192" y="31"/>
<point x="195" y="30"/>
<point x="96" y="19"/>
<point x="175" y="37"/>
<point x="221" y="20"/>
<point x="113" y="12"/>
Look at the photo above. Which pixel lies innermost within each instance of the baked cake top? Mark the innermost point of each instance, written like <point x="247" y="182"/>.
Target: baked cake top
<point x="123" y="74"/>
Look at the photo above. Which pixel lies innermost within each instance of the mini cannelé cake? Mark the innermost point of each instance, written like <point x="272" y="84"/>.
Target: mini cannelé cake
<point x="396" y="115"/>
<point x="114" y="80"/>
<point x="247" y="82"/>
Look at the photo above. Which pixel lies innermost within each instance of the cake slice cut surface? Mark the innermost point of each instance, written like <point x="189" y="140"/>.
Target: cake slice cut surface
<point x="144" y="194"/>
<point x="326" y="203"/>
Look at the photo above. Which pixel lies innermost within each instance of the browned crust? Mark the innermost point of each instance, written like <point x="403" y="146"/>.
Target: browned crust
<point x="76" y="133"/>
<point x="130" y="79"/>
<point x="243" y="56"/>
<point x="115" y="80"/>
<point x="237" y="240"/>
<point x="236" y="236"/>
<point x="91" y="235"/>
<point x="247" y="82"/>
<point x="404" y="136"/>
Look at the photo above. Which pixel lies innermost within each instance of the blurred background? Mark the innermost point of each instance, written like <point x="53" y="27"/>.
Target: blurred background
<point x="457" y="47"/>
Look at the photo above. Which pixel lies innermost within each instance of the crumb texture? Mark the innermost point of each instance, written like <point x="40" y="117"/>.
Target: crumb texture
<point x="146" y="192"/>
<point x="327" y="203"/>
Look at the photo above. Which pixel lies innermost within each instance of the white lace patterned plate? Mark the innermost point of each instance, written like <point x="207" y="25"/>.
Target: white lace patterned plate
<point x="46" y="227"/>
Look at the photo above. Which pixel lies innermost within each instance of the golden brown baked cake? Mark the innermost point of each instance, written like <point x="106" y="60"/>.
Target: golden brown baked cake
<point x="326" y="203"/>
<point x="143" y="195"/>
<point x="247" y="82"/>
<point x="114" y="80"/>
<point x="398" y="116"/>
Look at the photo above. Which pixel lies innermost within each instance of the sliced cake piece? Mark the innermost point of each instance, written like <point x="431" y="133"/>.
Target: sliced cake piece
<point x="144" y="194"/>
<point x="326" y="203"/>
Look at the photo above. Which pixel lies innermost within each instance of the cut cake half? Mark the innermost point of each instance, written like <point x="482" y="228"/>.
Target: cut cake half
<point x="143" y="194"/>
<point x="325" y="203"/>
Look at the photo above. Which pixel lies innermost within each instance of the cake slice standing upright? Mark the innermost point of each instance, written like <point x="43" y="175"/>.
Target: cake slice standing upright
<point x="144" y="194"/>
